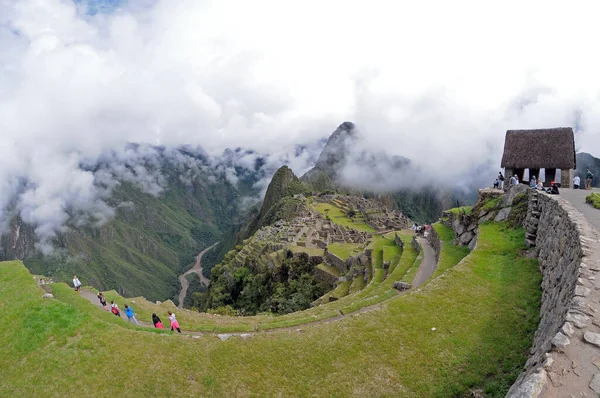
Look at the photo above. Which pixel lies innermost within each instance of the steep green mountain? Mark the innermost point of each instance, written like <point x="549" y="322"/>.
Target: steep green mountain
<point x="152" y="238"/>
<point x="279" y="200"/>
<point x="587" y="161"/>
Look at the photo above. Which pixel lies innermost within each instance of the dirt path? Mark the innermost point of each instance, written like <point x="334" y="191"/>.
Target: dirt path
<point x="197" y="268"/>
<point x="427" y="264"/>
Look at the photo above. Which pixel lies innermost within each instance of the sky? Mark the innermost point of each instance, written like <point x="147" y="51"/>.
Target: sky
<point x="435" y="81"/>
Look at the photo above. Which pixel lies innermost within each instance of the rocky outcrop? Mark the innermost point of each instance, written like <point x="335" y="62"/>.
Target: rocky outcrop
<point x="402" y="285"/>
<point x="492" y="204"/>
<point x="568" y="251"/>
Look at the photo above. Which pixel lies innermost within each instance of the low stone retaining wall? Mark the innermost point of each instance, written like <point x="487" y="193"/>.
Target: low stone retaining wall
<point x="335" y="261"/>
<point x="567" y="249"/>
<point x="325" y="277"/>
<point x="398" y="241"/>
<point x="434" y="241"/>
<point x="416" y="244"/>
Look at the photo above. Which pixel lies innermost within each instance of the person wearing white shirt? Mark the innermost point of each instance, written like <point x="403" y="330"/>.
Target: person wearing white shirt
<point x="76" y="283"/>
<point x="576" y="182"/>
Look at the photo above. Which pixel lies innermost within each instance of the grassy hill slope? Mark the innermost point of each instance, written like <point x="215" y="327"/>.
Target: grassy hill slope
<point x="485" y="311"/>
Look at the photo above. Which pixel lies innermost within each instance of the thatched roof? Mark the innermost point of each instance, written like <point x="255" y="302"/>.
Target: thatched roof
<point x="541" y="148"/>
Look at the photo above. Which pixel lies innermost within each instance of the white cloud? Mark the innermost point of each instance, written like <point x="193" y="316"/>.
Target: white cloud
<point x="435" y="81"/>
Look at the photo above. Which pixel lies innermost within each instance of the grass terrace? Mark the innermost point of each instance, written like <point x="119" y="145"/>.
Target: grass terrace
<point x="461" y="210"/>
<point x="485" y="310"/>
<point x="450" y="254"/>
<point x="337" y="216"/>
<point x="344" y="250"/>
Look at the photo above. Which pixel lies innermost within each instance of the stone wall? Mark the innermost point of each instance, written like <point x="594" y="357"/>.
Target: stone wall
<point x="325" y="276"/>
<point x="398" y="241"/>
<point x="464" y="227"/>
<point x="335" y="261"/>
<point x="416" y="244"/>
<point x="434" y="241"/>
<point x="563" y="240"/>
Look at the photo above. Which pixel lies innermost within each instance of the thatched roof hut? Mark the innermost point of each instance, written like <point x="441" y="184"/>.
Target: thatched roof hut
<point x="540" y="148"/>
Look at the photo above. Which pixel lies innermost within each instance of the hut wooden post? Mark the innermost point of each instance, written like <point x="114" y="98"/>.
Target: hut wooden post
<point x="566" y="178"/>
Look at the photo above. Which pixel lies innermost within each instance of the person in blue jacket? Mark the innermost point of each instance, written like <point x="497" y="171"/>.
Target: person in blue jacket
<point x="130" y="314"/>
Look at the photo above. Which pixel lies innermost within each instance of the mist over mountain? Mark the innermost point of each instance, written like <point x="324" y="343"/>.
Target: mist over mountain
<point x="156" y="208"/>
<point x="347" y="163"/>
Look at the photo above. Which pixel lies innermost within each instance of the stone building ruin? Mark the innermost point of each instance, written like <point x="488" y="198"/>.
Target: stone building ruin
<point x="528" y="152"/>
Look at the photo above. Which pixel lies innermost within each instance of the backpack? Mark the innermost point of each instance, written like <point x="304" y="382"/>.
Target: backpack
<point x="114" y="310"/>
<point x="501" y="177"/>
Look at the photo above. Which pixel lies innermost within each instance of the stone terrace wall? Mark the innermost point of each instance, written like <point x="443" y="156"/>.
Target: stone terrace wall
<point x="416" y="244"/>
<point x="562" y="242"/>
<point x="434" y="240"/>
<point x="335" y="261"/>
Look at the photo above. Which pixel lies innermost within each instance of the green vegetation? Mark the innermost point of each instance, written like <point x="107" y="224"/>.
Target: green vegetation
<point x="461" y="210"/>
<point x="491" y="203"/>
<point x="344" y="250"/>
<point x="254" y="286"/>
<point x="450" y="254"/>
<point x="311" y="251"/>
<point x="594" y="200"/>
<point x="485" y="311"/>
<point x="151" y="240"/>
<point x="338" y="216"/>
<point x="329" y="269"/>
<point x="518" y="210"/>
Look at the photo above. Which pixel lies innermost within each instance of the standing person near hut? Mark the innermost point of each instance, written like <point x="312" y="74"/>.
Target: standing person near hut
<point x="501" y="180"/>
<point x="589" y="177"/>
<point x="576" y="182"/>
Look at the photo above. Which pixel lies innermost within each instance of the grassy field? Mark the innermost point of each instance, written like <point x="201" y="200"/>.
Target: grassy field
<point x="337" y="216"/>
<point x="594" y="200"/>
<point x="485" y="311"/>
<point x="311" y="251"/>
<point x="450" y="254"/>
<point x="462" y="209"/>
<point x="344" y="250"/>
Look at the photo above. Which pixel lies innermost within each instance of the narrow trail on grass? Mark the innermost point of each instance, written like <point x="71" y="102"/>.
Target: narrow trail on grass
<point x="427" y="264"/>
<point x="425" y="270"/>
<point x="197" y="268"/>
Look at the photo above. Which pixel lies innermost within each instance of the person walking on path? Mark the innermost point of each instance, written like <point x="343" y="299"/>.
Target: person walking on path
<point x="76" y="283"/>
<point x="576" y="182"/>
<point x="157" y="322"/>
<point x="114" y="308"/>
<point x="174" y="323"/>
<point x="589" y="177"/>
<point x="102" y="301"/>
<point x="130" y="314"/>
